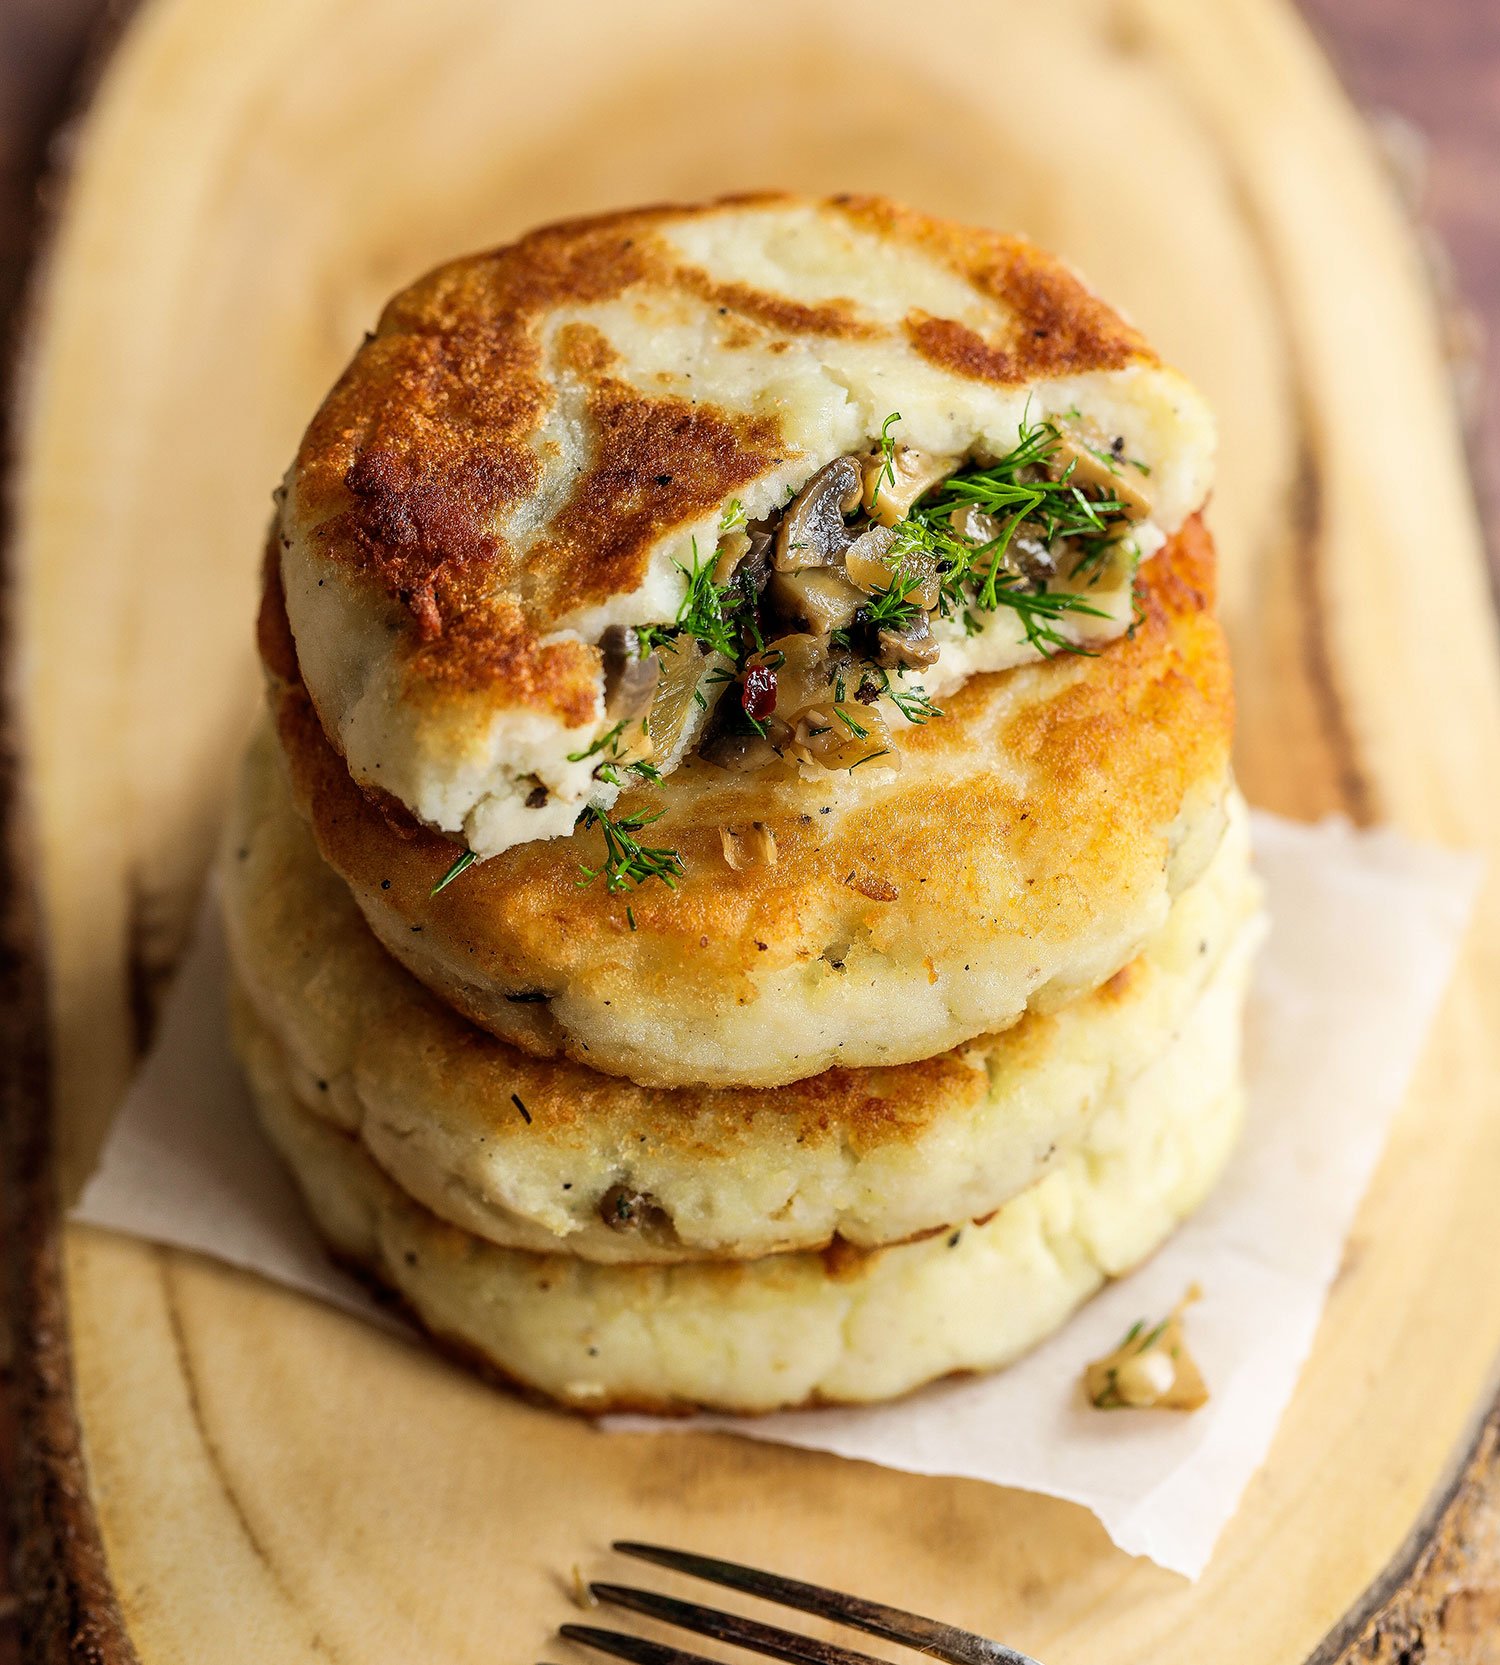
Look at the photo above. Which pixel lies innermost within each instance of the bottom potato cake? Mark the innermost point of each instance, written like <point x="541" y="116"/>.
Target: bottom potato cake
<point x="843" y="1325"/>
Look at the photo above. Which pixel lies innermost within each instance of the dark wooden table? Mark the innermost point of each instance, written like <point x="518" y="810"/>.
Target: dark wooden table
<point x="1430" y="76"/>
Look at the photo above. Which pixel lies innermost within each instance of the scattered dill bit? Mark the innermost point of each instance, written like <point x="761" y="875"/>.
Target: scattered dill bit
<point x="461" y="865"/>
<point x="627" y="861"/>
<point x="856" y="729"/>
<point x="733" y="517"/>
<point x="869" y="757"/>
<point x="610" y="738"/>
<point x="608" y="773"/>
<point x="630" y="917"/>
<point x="913" y="704"/>
<point x="515" y="1099"/>
<point x="887" y="475"/>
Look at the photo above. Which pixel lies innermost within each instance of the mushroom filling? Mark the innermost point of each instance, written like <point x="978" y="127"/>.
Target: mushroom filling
<point x="802" y="639"/>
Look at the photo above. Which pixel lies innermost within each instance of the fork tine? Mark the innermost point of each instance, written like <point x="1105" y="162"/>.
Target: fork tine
<point x="892" y="1624"/>
<point x="730" y="1627"/>
<point x="634" y="1648"/>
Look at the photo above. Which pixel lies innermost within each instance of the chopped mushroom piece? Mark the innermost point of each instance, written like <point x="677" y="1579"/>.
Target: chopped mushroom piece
<point x="691" y="683"/>
<point x="752" y="846"/>
<point x="630" y="677"/>
<point x="749" y="548"/>
<point x="1100" y="468"/>
<point x="812" y="531"/>
<point x="741" y="754"/>
<point x="893" y="480"/>
<point x="841" y="735"/>
<point x="818" y="599"/>
<point x="908" y="646"/>
<point x="1151" y="1368"/>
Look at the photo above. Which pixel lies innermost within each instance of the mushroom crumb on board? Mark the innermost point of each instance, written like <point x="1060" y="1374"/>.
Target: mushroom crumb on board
<point x="1151" y="1369"/>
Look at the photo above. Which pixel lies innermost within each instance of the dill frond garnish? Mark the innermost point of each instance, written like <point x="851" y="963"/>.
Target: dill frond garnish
<point x="1013" y="492"/>
<point x="461" y="865"/>
<point x="628" y="862"/>
<point x="733" y="517"/>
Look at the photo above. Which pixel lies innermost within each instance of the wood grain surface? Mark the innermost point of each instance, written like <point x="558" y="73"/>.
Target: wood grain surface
<point x="1319" y="748"/>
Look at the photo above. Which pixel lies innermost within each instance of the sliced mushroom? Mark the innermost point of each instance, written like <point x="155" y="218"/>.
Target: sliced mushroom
<point x="630" y="677"/>
<point x="691" y="683"/>
<point x="741" y="754"/>
<point x="1031" y="557"/>
<point x="974" y="526"/>
<point x="1100" y="470"/>
<point x="746" y="553"/>
<point x="812" y="531"/>
<point x="908" y="646"/>
<point x="804" y="671"/>
<point x="892" y="481"/>
<point x="868" y="561"/>
<point x="817" y="599"/>
<point x="1026" y="553"/>
<point x="841" y="735"/>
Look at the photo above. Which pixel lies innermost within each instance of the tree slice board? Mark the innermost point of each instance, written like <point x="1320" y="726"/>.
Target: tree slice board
<point x="222" y="1471"/>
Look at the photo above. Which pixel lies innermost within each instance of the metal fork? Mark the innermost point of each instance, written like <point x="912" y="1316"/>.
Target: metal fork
<point x="891" y="1624"/>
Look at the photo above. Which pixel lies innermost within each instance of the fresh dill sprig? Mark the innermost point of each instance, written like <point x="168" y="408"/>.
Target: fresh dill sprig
<point x="461" y="865"/>
<point x="628" y="862"/>
<point x="887" y="475"/>
<point x="720" y="616"/>
<point x="1012" y="492"/>
<point x="892" y="607"/>
<point x="1040" y="611"/>
<point x="610" y="775"/>
<point x="913" y="704"/>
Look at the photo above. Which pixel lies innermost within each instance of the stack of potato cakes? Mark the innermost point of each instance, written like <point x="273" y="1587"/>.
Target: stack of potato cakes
<point x="741" y="902"/>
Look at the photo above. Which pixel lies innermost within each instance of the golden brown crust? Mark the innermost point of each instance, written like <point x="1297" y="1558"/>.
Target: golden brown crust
<point x="428" y="440"/>
<point x="1099" y="757"/>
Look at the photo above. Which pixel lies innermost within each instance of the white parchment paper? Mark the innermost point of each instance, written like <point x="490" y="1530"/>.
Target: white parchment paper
<point x="1364" y="930"/>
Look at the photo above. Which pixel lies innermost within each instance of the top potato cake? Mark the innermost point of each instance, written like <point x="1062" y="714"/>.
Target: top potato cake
<point x="760" y="483"/>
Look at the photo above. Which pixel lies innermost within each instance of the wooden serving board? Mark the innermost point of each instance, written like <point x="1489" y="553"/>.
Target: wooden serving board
<point x="220" y="1471"/>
